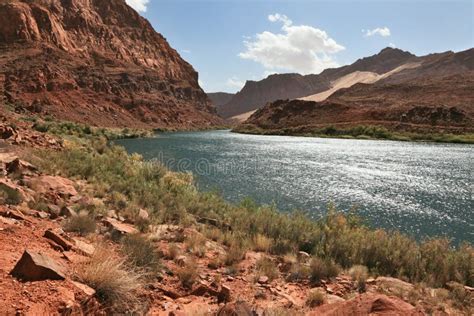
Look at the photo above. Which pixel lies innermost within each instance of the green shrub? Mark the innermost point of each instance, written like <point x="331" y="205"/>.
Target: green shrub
<point x="9" y="196"/>
<point x="234" y="254"/>
<point x="141" y="252"/>
<point x="188" y="274"/>
<point x="172" y="198"/>
<point x="82" y="223"/>
<point x="323" y="269"/>
<point x="266" y="267"/>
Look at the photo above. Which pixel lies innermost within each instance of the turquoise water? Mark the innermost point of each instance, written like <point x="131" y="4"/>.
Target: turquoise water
<point x="423" y="189"/>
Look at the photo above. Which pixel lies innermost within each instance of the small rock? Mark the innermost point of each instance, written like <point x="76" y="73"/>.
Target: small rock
<point x="143" y="214"/>
<point x="42" y="215"/>
<point x="303" y="256"/>
<point x="224" y="294"/>
<point x="54" y="211"/>
<point x="263" y="279"/>
<point x="57" y="239"/>
<point x="84" y="289"/>
<point x="181" y="260"/>
<point x="12" y="214"/>
<point x="36" y="266"/>
<point x="67" y="212"/>
<point x="118" y="227"/>
<point x="83" y="248"/>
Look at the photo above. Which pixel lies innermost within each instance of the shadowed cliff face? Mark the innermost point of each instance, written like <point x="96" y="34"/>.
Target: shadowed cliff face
<point x="96" y="61"/>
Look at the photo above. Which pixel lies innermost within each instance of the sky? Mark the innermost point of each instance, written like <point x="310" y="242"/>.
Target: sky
<point x="231" y="41"/>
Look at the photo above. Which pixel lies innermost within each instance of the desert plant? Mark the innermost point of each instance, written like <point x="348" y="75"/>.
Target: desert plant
<point x="141" y="252"/>
<point x="82" y="223"/>
<point x="298" y="272"/>
<point x="359" y="274"/>
<point x="9" y="196"/>
<point x="315" y="298"/>
<point x="114" y="282"/>
<point x="261" y="243"/>
<point x="173" y="251"/>
<point x="196" y="244"/>
<point x="187" y="275"/>
<point x="266" y="267"/>
<point x="322" y="269"/>
<point x="234" y="254"/>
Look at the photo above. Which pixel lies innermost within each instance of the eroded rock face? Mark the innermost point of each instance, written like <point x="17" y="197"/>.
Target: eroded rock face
<point x="35" y="266"/>
<point x="96" y="61"/>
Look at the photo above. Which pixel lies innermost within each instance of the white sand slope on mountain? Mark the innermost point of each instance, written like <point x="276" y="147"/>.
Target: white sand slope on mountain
<point x="242" y="117"/>
<point x="356" y="77"/>
<point x="343" y="82"/>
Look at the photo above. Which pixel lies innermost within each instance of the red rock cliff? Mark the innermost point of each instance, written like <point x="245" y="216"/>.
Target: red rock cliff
<point x="95" y="61"/>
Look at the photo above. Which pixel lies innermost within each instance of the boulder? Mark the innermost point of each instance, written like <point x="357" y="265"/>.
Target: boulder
<point x="20" y="167"/>
<point x="6" y="132"/>
<point x="36" y="266"/>
<point x="54" y="211"/>
<point x="47" y="184"/>
<point x="368" y="304"/>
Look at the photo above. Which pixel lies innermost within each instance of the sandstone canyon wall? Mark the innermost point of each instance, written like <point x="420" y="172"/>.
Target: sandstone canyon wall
<point x="98" y="62"/>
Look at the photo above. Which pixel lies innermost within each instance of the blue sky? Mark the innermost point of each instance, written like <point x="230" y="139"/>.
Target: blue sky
<point x="231" y="41"/>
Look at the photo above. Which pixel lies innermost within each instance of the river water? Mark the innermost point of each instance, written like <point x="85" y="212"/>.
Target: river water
<point x="422" y="189"/>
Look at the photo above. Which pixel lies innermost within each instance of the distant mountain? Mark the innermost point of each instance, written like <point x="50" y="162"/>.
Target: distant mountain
<point x="431" y="93"/>
<point x="97" y="62"/>
<point x="219" y="99"/>
<point x="256" y="94"/>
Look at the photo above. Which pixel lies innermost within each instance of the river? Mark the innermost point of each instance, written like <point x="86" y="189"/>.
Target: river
<point x="422" y="189"/>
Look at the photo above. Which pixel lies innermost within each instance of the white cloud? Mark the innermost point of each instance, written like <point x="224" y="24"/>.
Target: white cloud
<point x="234" y="82"/>
<point x="382" y="31"/>
<point x="280" y="17"/>
<point x="392" y="45"/>
<point x="299" y="48"/>
<point x="139" y="5"/>
<point x="186" y="51"/>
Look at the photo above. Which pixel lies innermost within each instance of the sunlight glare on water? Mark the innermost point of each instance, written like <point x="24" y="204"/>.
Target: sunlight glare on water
<point x="423" y="189"/>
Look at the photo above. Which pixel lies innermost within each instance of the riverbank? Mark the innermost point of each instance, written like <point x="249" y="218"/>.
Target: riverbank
<point x="178" y="248"/>
<point x="358" y="132"/>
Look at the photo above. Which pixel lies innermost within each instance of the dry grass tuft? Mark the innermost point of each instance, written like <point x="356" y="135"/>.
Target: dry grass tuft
<point x="266" y="267"/>
<point x="261" y="243"/>
<point x="115" y="283"/>
<point x="315" y="298"/>
<point x="359" y="274"/>
<point x="188" y="274"/>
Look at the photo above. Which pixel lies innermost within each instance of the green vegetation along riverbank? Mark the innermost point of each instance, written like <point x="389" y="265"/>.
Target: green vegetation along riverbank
<point x="129" y="183"/>
<point x="358" y="132"/>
